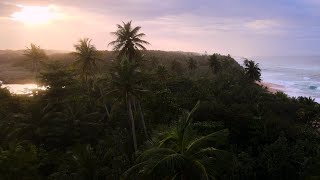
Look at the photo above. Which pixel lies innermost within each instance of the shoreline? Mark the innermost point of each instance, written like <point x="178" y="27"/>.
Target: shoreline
<point x="271" y="87"/>
<point x="274" y="88"/>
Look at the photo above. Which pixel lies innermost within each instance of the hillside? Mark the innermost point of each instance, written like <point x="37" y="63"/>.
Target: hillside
<point x="16" y="68"/>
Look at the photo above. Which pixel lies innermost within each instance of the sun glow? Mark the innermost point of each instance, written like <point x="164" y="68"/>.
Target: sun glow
<point x="35" y="15"/>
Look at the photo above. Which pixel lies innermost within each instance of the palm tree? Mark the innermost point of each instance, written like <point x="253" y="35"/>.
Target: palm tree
<point x="192" y="64"/>
<point x="176" y="67"/>
<point x="214" y="63"/>
<point x="182" y="155"/>
<point x="162" y="72"/>
<point x="126" y="81"/>
<point x="128" y="41"/>
<point x="86" y="59"/>
<point x="36" y="55"/>
<point x="252" y="70"/>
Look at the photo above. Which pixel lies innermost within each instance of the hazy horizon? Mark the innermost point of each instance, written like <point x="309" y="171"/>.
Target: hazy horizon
<point x="254" y="57"/>
<point x="246" y="28"/>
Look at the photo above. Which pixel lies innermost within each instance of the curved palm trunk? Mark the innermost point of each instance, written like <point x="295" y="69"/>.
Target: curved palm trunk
<point x="142" y="120"/>
<point x="133" y="129"/>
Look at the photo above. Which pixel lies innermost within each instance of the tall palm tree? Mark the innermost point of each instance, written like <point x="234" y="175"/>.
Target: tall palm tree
<point x="36" y="55"/>
<point x="192" y="64"/>
<point x="86" y="58"/>
<point x="182" y="155"/>
<point x="214" y="63"/>
<point x="128" y="41"/>
<point x="126" y="82"/>
<point x="252" y="70"/>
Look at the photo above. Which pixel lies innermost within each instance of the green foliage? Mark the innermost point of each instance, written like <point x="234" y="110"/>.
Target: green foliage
<point x="86" y="59"/>
<point x="214" y="63"/>
<point x="19" y="162"/>
<point x="182" y="154"/>
<point x="124" y="120"/>
<point x="176" y="67"/>
<point x="192" y="64"/>
<point x="5" y="103"/>
<point x="87" y="162"/>
<point x="252" y="70"/>
<point x="36" y="55"/>
<point x="128" y="41"/>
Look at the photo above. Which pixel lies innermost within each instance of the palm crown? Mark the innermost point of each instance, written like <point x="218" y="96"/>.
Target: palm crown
<point x="181" y="154"/>
<point x="86" y="58"/>
<point x="36" y="54"/>
<point x="252" y="70"/>
<point x="128" y="41"/>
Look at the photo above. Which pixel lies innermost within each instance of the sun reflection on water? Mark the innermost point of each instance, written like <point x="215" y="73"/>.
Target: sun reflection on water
<point x="22" y="89"/>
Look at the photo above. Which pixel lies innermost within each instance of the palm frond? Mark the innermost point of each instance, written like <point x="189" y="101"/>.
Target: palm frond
<point x="216" y="139"/>
<point x="168" y="166"/>
<point x="154" y="153"/>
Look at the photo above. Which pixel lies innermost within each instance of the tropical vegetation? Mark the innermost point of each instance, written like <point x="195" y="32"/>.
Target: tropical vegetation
<point x="133" y="113"/>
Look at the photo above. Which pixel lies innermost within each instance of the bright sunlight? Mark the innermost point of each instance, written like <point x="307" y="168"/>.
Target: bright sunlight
<point x="36" y="15"/>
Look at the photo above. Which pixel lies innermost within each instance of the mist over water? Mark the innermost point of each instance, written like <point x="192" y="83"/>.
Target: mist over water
<point x="299" y="76"/>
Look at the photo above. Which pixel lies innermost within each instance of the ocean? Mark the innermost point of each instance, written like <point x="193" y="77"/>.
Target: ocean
<point x="297" y="76"/>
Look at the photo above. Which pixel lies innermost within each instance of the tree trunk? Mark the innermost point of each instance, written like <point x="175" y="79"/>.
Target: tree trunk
<point x="107" y="114"/>
<point x="142" y="120"/>
<point x="133" y="129"/>
<point x="134" y="102"/>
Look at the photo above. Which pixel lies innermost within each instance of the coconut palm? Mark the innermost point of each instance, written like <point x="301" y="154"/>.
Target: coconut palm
<point x="36" y="55"/>
<point x="252" y="70"/>
<point x="176" y="67"/>
<point x="162" y="72"/>
<point x="214" y="63"/>
<point x="126" y="82"/>
<point x="86" y="59"/>
<point x="182" y="155"/>
<point x="192" y="64"/>
<point x="128" y="40"/>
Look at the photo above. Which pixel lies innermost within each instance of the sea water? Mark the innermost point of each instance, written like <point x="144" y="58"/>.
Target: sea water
<point x="298" y="76"/>
<point x="21" y="89"/>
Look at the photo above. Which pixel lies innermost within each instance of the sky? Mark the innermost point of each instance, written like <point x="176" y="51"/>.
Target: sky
<point x="236" y="27"/>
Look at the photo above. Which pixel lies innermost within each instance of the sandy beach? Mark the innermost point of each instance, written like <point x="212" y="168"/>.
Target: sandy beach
<point x="273" y="88"/>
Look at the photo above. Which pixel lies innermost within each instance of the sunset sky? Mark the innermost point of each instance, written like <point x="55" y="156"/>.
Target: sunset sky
<point x="237" y="27"/>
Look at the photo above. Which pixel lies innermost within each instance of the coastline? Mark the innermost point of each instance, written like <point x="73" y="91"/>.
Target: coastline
<point x="271" y="87"/>
<point x="274" y="88"/>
